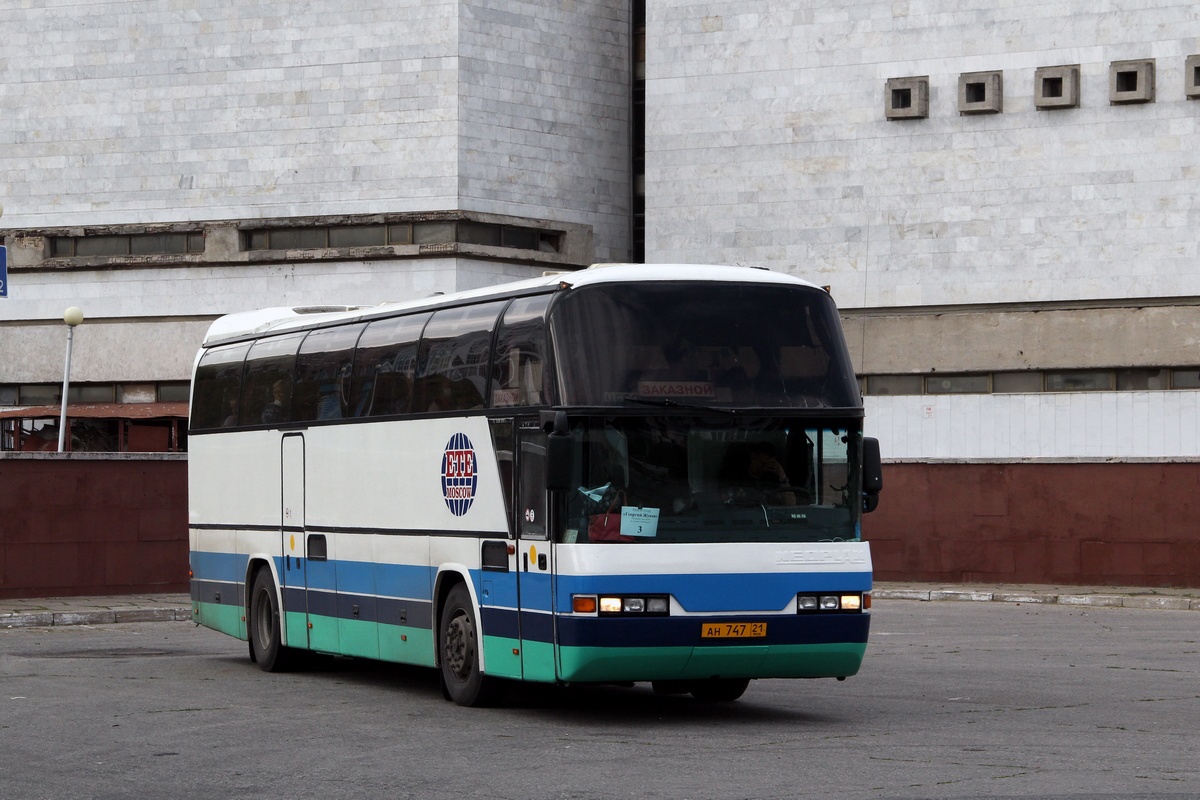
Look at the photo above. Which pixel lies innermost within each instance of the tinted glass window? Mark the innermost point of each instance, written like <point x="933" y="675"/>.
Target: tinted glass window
<point x="957" y="384"/>
<point x="519" y="371"/>
<point x="323" y="370"/>
<point x="454" y="364"/>
<point x="1080" y="381"/>
<point x="752" y="345"/>
<point x="218" y="387"/>
<point x="712" y="479"/>
<point x="385" y="365"/>
<point x="267" y="390"/>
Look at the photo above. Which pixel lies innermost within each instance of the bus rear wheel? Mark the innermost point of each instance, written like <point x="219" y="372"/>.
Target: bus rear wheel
<point x="459" y="643"/>
<point x="266" y="638"/>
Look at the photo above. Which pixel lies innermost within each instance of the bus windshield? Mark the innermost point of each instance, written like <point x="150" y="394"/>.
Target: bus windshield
<point x="679" y="478"/>
<point x="705" y="344"/>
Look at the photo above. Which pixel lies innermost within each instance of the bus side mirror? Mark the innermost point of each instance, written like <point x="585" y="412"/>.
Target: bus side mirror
<point x="872" y="474"/>
<point x="559" y="454"/>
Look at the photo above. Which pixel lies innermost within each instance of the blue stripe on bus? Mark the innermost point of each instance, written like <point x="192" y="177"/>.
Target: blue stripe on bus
<point x="706" y="593"/>
<point x="500" y="622"/>
<point x="401" y="594"/>
<point x="218" y="566"/>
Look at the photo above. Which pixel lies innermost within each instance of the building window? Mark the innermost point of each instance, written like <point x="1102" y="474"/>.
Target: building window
<point x="1016" y="382"/>
<point x="1185" y="378"/>
<point x="895" y="384"/>
<point x="174" y="392"/>
<point x="134" y="244"/>
<point x="1132" y="380"/>
<point x="1096" y="380"/>
<point x="957" y="384"/>
<point x="487" y="234"/>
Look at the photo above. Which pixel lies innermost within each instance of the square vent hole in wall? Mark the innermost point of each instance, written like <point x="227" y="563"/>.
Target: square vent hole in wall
<point x="907" y="98"/>
<point x="1131" y="82"/>
<point x="1191" y="77"/>
<point x="981" y="93"/>
<point x="1056" y="87"/>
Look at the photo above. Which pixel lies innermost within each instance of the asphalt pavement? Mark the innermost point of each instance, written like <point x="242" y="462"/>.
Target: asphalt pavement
<point x="47" y="611"/>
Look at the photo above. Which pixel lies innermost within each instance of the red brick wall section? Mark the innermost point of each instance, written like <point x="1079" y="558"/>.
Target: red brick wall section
<point x="1110" y="524"/>
<point x="71" y="526"/>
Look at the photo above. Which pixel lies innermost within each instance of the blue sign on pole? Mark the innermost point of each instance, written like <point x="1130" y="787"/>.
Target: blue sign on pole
<point x="3" y="271"/>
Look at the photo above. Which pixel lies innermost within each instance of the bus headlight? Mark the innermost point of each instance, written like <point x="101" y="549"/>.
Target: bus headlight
<point x="642" y="605"/>
<point x="850" y="602"/>
<point x="657" y="605"/>
<point x="610" y="605"/>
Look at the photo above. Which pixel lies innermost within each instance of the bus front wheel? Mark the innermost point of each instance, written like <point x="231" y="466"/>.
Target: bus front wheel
<point x="459" y="640"/>
<point x="266" y="639"/>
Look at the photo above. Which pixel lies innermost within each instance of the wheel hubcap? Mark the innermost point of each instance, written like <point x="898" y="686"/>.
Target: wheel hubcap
<point x="460" y="646"/>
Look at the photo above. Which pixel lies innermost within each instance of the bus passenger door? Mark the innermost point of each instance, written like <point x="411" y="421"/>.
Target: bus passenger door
<point x="308" y="564"/>
<point x="291" y="525"/>
<point x="535" y="557"/>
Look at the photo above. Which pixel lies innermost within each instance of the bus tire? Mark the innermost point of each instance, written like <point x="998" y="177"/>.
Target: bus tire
<point x="266" y="639"/>
<point x="458" y="651"/>
<point x="719" y="690"/>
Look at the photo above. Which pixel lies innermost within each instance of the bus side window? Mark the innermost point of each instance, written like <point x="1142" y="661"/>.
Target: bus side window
<point x="384" y="366"/>
<point x="455" y="358"/>
<point x="267" y="388"/>
<point x="518" y="372"/>
<point x="323" y="369"/>
<point x="218" y="388"/>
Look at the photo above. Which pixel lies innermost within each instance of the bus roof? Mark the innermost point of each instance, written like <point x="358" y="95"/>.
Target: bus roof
<point x="277" y="320"/>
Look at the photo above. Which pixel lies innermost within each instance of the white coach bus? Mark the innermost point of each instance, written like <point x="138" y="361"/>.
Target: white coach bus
<point x="626" y="473"/>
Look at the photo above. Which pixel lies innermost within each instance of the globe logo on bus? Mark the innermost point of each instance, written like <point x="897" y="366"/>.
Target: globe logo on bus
<point x="459" y="478"/>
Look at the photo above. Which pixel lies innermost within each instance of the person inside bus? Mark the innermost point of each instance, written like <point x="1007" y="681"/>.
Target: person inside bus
<point x="753" y="473"/>
<point x="276" y="411"/>
<point x="231" y="421"/>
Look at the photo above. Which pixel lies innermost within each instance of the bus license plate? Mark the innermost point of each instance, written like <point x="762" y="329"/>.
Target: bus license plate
<point x="733" y="630"/>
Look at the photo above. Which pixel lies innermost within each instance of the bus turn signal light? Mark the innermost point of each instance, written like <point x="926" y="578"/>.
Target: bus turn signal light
<point x="583" y="603"/>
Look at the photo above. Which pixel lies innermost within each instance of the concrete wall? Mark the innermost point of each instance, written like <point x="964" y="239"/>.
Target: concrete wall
<point x="767" y="143"/>
<point x="1120" y="426"/>
<point x="974" y="338"/>
<point x="136" y="112"/>
<point x="92" y="524"/>
<point x="1082" y="523"/>
<point x="121" y="341"/>
<point x="544" y="113"/>
<point x="139" y="111"/>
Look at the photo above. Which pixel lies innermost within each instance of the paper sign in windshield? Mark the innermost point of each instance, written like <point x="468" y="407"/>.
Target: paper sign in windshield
<point x="676" y="389"/>
<point x="637" y="521"/>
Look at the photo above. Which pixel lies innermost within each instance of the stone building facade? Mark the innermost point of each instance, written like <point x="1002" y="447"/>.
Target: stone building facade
<point x="161" y="165"/>
<point x="1011" y="236"/>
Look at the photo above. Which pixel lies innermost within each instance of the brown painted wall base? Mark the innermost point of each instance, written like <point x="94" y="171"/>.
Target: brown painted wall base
<point x="79" y="524"/>
<point x="91" y="524"/>
<point x="1133" y="524"/>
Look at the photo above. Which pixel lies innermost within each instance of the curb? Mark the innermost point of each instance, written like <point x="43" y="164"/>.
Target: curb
<point x="1161" y="602"/>
<point x="49" y="619"/>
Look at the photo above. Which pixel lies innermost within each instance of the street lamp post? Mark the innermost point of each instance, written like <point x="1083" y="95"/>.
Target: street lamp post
<point x="73" y="317"/>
